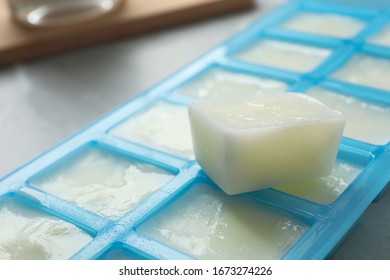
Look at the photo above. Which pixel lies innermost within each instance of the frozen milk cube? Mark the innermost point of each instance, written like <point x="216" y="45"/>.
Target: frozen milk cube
<point x="326" y="189"/>
<point x="103" y="182"/>
<point x="218" y="82"/>
<point x="327" y="24"/>
<point x="164" y="127"/>
<point x="382" y="37"/>
<point x="208" y="224"/>
<point x="285" y="55"/>
<point x="28" y="234"/>
<point x="254" y="142"/>
<point x="366" y="70"/>
<point x="366" y="121"/>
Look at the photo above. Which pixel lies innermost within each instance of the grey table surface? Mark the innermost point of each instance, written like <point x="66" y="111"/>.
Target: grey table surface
<point x="46" y="100"/>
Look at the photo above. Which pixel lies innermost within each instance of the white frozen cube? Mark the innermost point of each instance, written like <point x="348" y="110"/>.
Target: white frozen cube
<point x="217" y="82"/>
<point x="253" y="142"/>
<point x="382" y="37"/>
<point x="328" y="24"/>
<point x="367" y="70"/>
<point x="285" y="55"/>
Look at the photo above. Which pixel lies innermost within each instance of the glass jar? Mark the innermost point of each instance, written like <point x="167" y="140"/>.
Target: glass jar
<point x="59" y="12"/>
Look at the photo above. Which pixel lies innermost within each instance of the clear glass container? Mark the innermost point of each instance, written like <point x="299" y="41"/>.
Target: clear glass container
<point x="59" y="12"/>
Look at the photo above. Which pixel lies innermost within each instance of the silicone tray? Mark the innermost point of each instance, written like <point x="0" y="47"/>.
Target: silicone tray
<point x="327" y="224"/>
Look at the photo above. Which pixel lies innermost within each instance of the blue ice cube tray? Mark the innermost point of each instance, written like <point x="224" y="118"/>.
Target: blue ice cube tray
<point x="327" y="224"/>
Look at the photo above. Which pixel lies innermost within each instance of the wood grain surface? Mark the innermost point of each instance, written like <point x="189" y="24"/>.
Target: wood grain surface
<point x="132" y="17"/>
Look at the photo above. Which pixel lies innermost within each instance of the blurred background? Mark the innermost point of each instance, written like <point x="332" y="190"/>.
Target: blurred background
<point x="49" y="96"/>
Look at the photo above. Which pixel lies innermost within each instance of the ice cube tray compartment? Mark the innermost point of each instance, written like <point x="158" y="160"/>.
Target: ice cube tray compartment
<point x="118" y="138"/>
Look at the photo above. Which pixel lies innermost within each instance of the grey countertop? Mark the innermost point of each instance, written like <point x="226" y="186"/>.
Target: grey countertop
<point x="46" y="100"/>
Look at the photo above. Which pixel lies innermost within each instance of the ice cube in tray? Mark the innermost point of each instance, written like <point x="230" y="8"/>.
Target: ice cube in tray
<point x="284" y="55"/>
<point x="218" y="82"/>
<point x="28" y="233"/>
<point x="208" y="224"/>
<point x="328" y="24"/>
<point x="102" y="182"/>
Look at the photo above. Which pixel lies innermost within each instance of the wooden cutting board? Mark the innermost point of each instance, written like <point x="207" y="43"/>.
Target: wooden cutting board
<point x="19" y="43"/>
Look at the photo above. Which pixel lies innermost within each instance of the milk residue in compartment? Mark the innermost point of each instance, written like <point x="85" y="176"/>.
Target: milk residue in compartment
<point x="328" y="24"/>
<point x="368" y="122"/>
<point x="365" y="70"/>
<point x="218" y="82"/>
<point x="164" y="127"/>
<point x="325" y="190"/>
<point x="28" y="234"/>
<point x="208" y="224"/>
<point x="102" y="182"/>
<point x="381" y="38"/>
<point x="118" y="254"/>
<point x="285" y="55"/>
